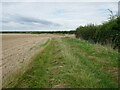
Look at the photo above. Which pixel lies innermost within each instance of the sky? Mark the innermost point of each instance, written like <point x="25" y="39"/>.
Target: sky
<point x="50" y="15"/>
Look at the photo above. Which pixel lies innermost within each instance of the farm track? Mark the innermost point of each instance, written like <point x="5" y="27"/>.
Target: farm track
<point x="17" y="49"/>
<point x="71" y="63"/>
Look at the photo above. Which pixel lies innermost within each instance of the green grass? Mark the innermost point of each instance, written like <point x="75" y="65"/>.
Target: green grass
<point x="71" y="63"/>
<point x="41" y="45"/>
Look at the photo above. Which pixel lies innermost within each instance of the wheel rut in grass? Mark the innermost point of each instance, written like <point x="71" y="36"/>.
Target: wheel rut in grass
<point x="56" y="75"/>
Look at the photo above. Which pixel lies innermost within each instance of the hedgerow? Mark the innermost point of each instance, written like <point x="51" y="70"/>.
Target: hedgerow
<point x="107" y="33"/>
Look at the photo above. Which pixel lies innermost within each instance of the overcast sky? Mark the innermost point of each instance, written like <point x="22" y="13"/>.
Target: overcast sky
<point x="51" y="15"/>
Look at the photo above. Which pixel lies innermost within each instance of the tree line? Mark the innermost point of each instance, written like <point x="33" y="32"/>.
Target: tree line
<point x="42" y="32"/>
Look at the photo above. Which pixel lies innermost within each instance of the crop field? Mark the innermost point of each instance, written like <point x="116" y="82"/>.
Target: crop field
<point x="17" y="50"/>
<point x="57" y="61"/>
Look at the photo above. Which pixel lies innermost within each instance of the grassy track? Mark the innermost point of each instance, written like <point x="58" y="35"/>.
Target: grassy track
<point x="70" y="63"/>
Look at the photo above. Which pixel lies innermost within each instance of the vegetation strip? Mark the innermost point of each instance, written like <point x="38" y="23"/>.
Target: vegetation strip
<point x="71" y="63"/>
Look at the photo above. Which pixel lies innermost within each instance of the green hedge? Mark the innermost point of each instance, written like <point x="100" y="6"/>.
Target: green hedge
<point x="107" y="33"/>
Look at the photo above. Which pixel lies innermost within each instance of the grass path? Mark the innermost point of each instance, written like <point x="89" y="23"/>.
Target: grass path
<point x="70" y="63"/>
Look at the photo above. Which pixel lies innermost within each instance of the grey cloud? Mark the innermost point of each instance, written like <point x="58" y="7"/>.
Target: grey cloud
<point x="28" y="21"/>
<point x="35" y="20"/>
